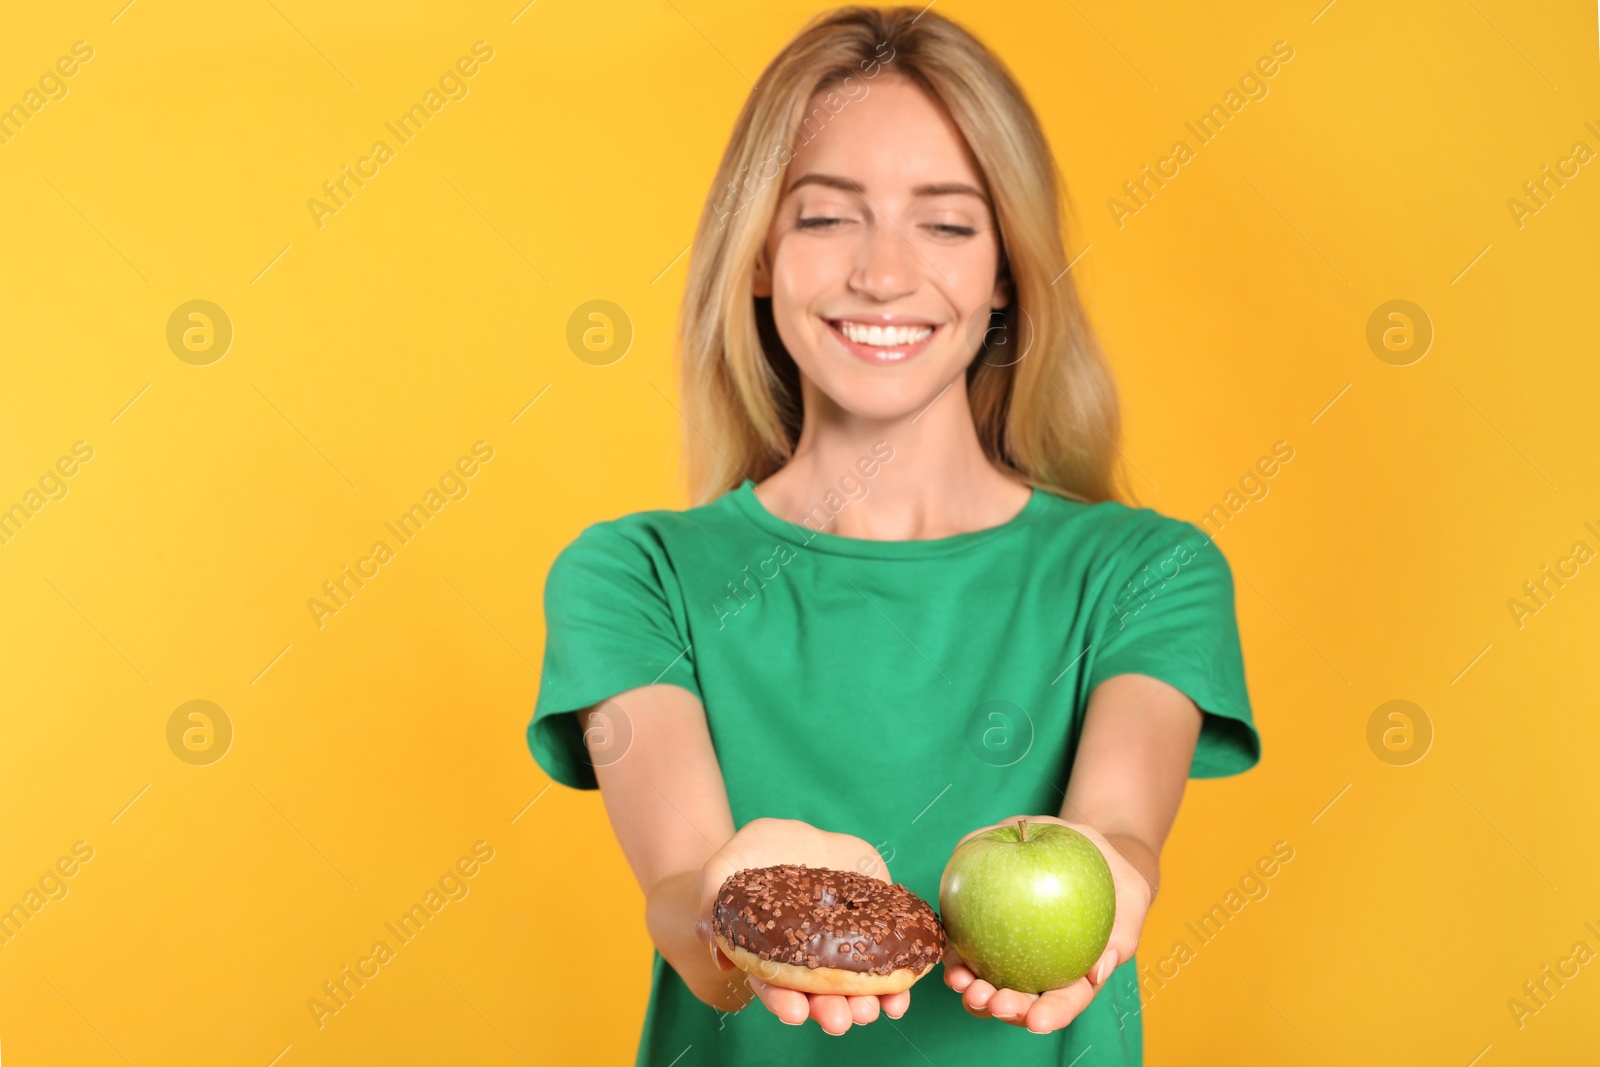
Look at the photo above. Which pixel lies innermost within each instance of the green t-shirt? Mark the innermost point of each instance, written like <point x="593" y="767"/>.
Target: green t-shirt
<point x="906" y="692"/>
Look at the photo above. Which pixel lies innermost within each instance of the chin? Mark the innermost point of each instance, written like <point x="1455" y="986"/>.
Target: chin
<point x="881" y="398"/>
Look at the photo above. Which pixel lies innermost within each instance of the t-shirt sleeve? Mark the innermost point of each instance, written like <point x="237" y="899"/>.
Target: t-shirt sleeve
<point x="1171" y="617"/>
<point x="612" y="623"/>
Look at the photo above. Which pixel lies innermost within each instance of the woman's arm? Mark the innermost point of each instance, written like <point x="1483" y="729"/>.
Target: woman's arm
<point x="1138" y="741"/>
<point x="668" y="804"/>
<point x="1139" y="736"/>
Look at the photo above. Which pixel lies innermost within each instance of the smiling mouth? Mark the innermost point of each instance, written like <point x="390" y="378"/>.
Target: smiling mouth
<point x="877" y="343"/>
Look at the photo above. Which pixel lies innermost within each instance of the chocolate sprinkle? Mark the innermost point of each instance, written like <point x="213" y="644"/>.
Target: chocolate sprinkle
<point x="822" y="914"/>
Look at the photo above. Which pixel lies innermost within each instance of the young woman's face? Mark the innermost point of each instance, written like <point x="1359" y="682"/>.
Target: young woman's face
<point x="881" y="259"/>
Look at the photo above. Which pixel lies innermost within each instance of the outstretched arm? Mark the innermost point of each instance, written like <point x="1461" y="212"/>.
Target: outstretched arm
<point x="668" y="804"/>
<point x="1133" y="760"/>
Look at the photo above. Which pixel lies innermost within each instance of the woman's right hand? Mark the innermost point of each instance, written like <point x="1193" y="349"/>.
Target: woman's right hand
<point x="768" y="843"/>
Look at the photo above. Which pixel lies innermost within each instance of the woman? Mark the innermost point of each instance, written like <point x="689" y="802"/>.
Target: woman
<point x="906" y="604"/>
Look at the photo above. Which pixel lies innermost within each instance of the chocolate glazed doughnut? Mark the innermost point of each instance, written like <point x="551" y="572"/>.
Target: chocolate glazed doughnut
<point x="820" y="930"/>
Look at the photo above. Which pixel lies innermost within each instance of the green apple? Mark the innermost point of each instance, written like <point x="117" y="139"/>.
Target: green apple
<point x="1029" y="906"/>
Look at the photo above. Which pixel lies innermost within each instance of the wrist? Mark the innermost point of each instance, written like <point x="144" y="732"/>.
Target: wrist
<point x="673" y="910"/>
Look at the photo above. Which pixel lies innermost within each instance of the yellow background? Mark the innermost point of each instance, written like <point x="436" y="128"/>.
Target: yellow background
<point x="372" y="752"/>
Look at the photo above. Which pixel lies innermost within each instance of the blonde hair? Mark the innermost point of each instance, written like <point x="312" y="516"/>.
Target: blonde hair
<point x="1049" y="418"/>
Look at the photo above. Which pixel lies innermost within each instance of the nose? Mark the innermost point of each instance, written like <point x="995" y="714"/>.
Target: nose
<point x="887" y="265"/>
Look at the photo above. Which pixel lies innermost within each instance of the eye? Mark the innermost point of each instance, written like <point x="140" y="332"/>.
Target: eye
<point x="816" y="222"/>
<point x="945" y="229"/>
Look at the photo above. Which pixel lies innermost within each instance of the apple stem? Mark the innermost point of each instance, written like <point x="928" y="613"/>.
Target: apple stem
<point x="1022" y="829"/>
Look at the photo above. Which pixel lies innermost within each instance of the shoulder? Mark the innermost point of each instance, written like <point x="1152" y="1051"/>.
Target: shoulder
<point x="658" y="526"/>
<point x="1119" y="529"/>
<point x="1116" y="547"/>
<point x="639" y="541"/>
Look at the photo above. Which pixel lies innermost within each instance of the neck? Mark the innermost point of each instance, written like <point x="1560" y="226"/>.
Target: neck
<point x="917" y="477"/>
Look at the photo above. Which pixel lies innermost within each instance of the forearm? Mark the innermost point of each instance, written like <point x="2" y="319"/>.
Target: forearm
<point x="1144" y="857"/>
<point x="669" y="810"/>
<point x="1132" y="765"/>
<point x="663" y="793"/>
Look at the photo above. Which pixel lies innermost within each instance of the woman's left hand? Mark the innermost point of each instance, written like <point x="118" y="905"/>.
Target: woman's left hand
<point x="1055" y="1008"/>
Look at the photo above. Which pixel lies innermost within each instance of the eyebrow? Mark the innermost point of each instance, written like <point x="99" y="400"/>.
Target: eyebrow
<point x="931" y="189"/>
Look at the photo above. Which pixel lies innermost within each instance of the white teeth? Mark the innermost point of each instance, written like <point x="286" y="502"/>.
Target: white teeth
<point x="884" y="336"/>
